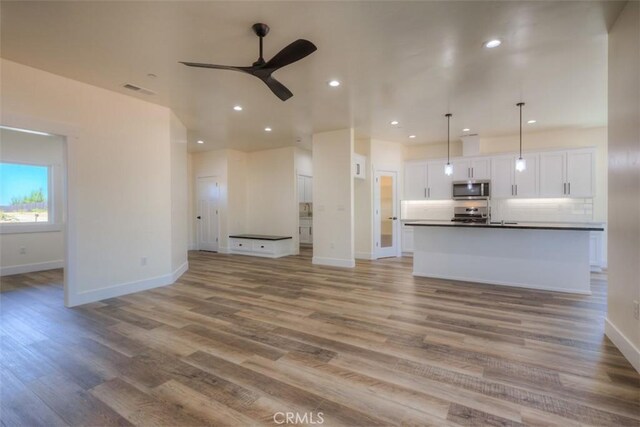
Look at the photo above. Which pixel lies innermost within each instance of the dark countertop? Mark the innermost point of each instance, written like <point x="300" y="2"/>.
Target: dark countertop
<point x="259" y="237"/>
<point x="513" y="226"/>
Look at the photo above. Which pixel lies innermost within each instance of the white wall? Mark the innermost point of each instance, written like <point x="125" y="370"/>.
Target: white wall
<point x="624" y="183"/>
<point x="179" y="194"/>
<point x="272" y="205"/>
<point x="333" y="236"/>
<point x="119" y="179"/>
<point x="363" y="205"/>
<point x="44" y="250"/>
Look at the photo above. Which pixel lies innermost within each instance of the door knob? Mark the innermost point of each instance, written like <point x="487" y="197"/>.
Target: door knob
<point x="393" y="217"/>
<point x="198" y="217"/>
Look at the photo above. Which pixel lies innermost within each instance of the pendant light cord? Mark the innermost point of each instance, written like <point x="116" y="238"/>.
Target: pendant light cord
<point x="448" y="136"/>
<point x="520" y="104"/>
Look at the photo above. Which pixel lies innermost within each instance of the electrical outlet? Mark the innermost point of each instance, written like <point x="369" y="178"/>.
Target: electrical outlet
<point x="143" y="261"/>
<point x="23" y="251"/>
<point x="636" y="310"/>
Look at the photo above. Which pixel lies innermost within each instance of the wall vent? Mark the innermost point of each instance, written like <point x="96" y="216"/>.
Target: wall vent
<point x="138" y="89"/>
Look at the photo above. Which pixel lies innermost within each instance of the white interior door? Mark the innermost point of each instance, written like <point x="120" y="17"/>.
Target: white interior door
<point x="207" y="215"/>
<point x="386" y="215"/>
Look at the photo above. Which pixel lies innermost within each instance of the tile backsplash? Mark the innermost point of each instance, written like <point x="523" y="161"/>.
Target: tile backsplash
<point x="536" y="210"/>
<point x="544" y="210"/>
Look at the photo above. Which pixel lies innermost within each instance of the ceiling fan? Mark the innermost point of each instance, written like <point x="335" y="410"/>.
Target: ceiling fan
<point x="263" y="69"/>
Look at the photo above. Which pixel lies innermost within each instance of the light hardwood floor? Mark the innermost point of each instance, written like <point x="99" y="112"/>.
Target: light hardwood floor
<point x="239" y="339"/>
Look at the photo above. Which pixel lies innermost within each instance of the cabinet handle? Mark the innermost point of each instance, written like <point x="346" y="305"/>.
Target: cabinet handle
<point x="516" y="189"/>
<point x="564" y="188"/>
<point x="569" y="188"/>
<point x="357" y="168"/>
<point x="425" y="193"/>
<point x="471" y="172"/>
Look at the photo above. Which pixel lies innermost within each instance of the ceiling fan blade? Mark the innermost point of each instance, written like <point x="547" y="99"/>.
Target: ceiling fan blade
<point x="278" y="88"/>
<point x="216" y="67"/>
<point x="291" y="53"/>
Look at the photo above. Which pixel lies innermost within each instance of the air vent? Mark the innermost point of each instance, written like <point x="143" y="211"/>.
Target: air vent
<point x="138" y="89"/>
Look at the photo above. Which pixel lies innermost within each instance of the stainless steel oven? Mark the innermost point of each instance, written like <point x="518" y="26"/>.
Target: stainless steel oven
<point x="471" y="190"/>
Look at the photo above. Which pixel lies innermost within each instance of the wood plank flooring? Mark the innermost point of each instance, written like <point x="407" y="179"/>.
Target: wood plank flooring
<point x="240" y="339"/>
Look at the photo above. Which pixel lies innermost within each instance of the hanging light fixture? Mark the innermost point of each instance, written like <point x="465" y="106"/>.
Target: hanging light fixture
<point x="521" y="164"/>
<point x="448" y="168"/>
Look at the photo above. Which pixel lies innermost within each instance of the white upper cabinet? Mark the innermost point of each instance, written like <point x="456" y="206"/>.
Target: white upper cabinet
<point x="502" y="170"/>
<point x="526" y="182"/>
<point x="305" y="193"/>
<point x="568" y="173"/>
<point x="426" y="181"/>
<point x="506" y="182"/>
<point x="553" y="173"/>
<point x="581" y="173"/>
<point x="415" y="181"/>
<point x="475" y="168"/>
<point x="438" y="183"/>
<point x="563" y="173"/>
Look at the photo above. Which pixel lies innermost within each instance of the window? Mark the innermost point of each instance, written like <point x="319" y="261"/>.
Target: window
<point x="24" y="194"/>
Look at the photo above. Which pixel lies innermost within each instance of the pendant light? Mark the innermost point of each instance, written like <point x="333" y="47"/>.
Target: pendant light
<point x="448" y="168"/>
<point x="521" y="164"/>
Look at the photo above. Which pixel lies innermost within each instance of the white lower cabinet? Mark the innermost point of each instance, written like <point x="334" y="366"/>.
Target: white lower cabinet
<point x="305" y="231"/>
<point x="407" y="238"/>
<point x="262" y="247"/>
<point x="596" y="251"/>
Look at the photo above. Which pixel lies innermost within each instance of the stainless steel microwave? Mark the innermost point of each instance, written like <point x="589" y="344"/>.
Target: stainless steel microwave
<point x="471" y="190"/>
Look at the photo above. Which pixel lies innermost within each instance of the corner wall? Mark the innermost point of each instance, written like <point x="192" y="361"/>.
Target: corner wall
<point x="624" y="183"/>
<point x="333" y="236"/>
<point x="119" y="179"/>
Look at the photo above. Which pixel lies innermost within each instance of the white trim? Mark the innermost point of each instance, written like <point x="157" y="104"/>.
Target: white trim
<point x="30" y="268"/>
<point x="364" y="255"/>
<point x="626" y="347"/>
<point x="497" y="282"/>
<point x="29" y="227"/>
<point x="180" y="271"/>
<point x="126" y="288"/>
<point x="334" y="262"/>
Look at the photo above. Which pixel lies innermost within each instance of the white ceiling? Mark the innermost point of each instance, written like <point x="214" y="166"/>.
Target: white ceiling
<point x="410" y="61"/>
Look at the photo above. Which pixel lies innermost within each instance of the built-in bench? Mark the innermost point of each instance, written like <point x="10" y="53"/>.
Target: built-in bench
<point x="261" y="245"/>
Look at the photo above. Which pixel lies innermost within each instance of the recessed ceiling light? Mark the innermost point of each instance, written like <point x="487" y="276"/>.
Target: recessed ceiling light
<point x="267" y="129"/>
<point x="200" y="141"/>
<point x="531" y="122"/>
<point x="412" y="136"/>
<point x="492" y="43"/>
<point x="334" y="83"/>
<point x="238" y="108"/>
<point x="466" y="130"/>
<point x="394" y="122"/>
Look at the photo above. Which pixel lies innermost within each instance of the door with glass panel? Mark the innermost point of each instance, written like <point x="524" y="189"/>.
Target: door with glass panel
<point x="386" y="242"/>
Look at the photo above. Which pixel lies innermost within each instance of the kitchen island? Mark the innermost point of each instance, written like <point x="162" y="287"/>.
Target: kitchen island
<point x="549" y="256"/>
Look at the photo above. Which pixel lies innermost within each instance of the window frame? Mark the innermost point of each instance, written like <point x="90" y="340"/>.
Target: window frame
<point x="52" y="223"/>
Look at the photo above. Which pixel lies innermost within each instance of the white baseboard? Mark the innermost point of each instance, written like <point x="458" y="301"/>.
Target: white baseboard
<point x="364" y="255"/>
<point x="127" y="288"/>
<point x="334" y="262"/>
<point x="506" y="284"/>
<point x="626" y="347"/>
<point x="180" y="271"/>
<point x="30" y="268"/>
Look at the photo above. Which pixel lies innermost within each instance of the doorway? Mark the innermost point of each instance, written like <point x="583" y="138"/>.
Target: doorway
<point x="208" y="190"/>
<point x="386" y="214"/>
